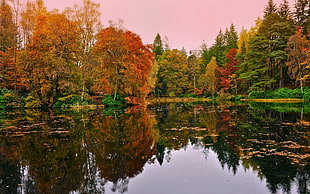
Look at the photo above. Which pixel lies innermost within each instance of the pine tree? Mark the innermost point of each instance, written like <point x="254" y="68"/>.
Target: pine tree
<point x="270" y="8"/>
<point x="301" y="13"/>
<point x="264" y="67"/>
<point x="231" y="39"/>
<point x="158" y="45"/>
<point x="284" y="9"/>
<point x="218" y="48"/>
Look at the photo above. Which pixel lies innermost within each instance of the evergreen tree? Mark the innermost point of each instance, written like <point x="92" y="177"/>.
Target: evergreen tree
<point x="270" y="8"/>
<point x="301" y="14"/>
<point x="284" y="9"/>
<point x="264" y="66"/>
<point x="218" y="48"/>
<point x="158" y="45"/>
<point x="231" y="38"/>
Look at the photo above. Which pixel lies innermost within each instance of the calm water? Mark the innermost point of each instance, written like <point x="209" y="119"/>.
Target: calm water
<point x="167" y="148"/>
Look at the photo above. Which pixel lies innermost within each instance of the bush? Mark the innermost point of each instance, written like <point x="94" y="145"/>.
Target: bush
<point x="281" y="93"/>
<point x="9" y="99"/>
<point x="257" y="95"/>
<point x="108" y="100"/>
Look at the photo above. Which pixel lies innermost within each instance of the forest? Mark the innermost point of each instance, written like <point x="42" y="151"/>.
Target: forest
<point x="60" y="59"/>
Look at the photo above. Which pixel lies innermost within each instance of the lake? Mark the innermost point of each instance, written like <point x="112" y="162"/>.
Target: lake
<point x="165" y="148"/>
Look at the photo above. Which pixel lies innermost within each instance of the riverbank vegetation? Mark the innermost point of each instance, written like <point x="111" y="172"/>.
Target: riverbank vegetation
<point x="62" y="59"/>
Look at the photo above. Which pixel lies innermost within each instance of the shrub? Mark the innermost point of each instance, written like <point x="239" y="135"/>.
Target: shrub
<point x="108" y="100"/>
<point x="257" y="95"/>
<point x="280" y="93"/>
<point x="9" y="99"/>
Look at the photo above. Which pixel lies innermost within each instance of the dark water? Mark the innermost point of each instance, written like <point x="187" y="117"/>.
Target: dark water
<point x="167" y="148"/>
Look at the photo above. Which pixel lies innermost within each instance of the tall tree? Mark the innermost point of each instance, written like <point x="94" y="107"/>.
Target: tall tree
<point x="270" y="8"/>
<point x="211" y="78"/>
<point x="231" y="38"/>
<point x="87" y="18"/>
<point x="193" y="70"/>
<point x="124" y="64"/>
<point x="49" y="61"/>
<point x="9" y="78"/>
<point x="284" y="9"/>
<point x="297" y="49"/>
<point x="172" y="79"/>
<point x="301" y="13"/>
<point x="158" y="45"/>
<point x="8" y="29"/>
<point x="227" y="79"/>
<point x="266" y="56"/>
<point x="29" y="18"/>
<point x="218" y="48"/>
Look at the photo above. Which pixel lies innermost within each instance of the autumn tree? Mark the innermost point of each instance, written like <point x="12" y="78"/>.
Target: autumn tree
<point x="87" y="18"/>
<point x="227" y="72"/>
<point x="211" y="78"/>
<point x="172" y="71"/>
<point x="297" y="48"/>
<point x="8" y="29"/>
<point x="29" y="16"/>
<point x="9" y="78"/>
<point x="48" y="63"/>
<point x="124" y="64"/>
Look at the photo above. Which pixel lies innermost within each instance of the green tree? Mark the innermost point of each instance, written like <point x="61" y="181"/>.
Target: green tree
<point x="264" y="67"/>
<point x="218" y="48"/>
<point x="284" y="9"/>
<point x="231" y="39"/>
<point x="193" y="71"/>
<point x="301" y="13"/>
<point x="172" y="79"/>
<point x="158" y="45"/>
<point x="270" y="8"/>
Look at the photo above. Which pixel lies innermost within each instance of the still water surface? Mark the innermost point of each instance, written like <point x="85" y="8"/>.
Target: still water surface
<point x="166" y="148"/>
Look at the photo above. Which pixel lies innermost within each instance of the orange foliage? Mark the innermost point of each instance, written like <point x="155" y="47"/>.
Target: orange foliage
<point x="10" y="78"/>
<point x="125" y="62"/>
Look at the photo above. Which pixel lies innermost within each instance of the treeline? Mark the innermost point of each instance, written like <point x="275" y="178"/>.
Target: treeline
<point x="271" y="55"/>
<point x="52" y="58"/>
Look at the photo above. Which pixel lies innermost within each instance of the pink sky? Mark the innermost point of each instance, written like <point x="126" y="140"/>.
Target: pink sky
<point x="185" y="22"/>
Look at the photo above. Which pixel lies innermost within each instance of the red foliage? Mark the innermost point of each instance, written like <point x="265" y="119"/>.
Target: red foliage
<point x="229" y="69"/>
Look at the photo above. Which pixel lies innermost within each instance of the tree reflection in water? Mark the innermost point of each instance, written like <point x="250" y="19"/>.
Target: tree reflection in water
<point x="83" y="151"/>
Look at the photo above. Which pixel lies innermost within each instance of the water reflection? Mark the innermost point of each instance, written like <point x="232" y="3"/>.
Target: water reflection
<point x="95" y="151"/>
